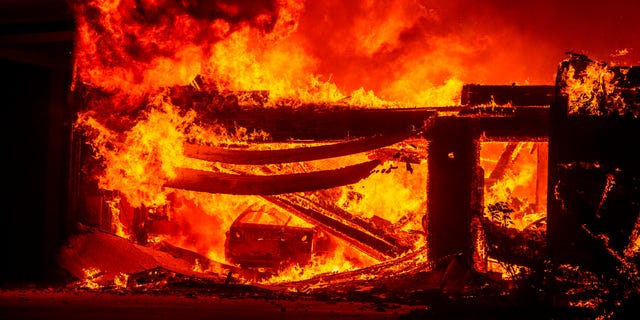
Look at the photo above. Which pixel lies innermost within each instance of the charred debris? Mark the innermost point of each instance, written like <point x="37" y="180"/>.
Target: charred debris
<point x="580" y="261"/>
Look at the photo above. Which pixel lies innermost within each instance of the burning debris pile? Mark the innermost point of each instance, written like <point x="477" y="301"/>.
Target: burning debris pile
<point x="209" y="157"/>
<point x="175" y="158"/>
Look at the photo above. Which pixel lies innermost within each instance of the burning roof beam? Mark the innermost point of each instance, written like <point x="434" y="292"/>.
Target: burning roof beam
<point x="216" y="182"/>
<point x="323" y="122"/>
<point x="371" y="245"/>
<point x="377" y="229"/>
<point x="513" y="95"/>
<point x="256" y="157"/>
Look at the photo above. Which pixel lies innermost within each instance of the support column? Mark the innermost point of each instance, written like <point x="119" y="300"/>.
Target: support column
<point x="454" y="187"/>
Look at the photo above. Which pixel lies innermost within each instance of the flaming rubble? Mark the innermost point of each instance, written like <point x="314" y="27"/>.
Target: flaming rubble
<point x="134" y="58"/>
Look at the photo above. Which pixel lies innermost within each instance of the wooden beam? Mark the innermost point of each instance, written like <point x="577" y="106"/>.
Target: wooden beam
<point x="337" y="213"/>
<point x="255" y="157"/>
<point x="503" y="163"/>
<point x="317" y="122"/>
<point x="215" y="182"/>
<point x="514" y="95"/>
<point x="365" y="242"/>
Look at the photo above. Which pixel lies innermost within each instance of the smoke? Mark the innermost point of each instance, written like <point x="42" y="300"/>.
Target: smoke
<point x="380" y="44"/>
<point x="396" y="49"/>
<point x="140" y="45"/>
<point x="144" y="29"/>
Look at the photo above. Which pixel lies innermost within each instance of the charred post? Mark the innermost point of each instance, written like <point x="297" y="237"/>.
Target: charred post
<point x="453" y="188"/>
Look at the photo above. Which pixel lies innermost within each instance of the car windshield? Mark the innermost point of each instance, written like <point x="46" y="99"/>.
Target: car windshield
<point x="262" y="217"/>
<point x="273" y="217"/>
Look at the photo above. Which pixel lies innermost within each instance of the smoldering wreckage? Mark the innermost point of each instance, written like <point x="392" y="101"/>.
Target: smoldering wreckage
<point x="579" y="259"/>
<point x="520" y="198"/>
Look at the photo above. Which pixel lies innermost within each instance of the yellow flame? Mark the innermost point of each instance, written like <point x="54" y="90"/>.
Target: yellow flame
<point x="117" y="225"/>
<point x="518" y="186"/>
<point x="91" y="279"/>
<point x="587" y="89"/>
<point x="633" y="248"/>
<point x="120" y="280"/>
<point x="242" y="56"/>
<point x="341" y="260"/>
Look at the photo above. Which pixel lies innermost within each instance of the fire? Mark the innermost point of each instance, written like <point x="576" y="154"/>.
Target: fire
<point x="633" y="248"/>
<point x="138" y="161"/>
<point x="133" y="48"/>
<point x="121" y="280"/>
<point x="130" y="55"/>
<point x="514" y="201"/>
<point x="337" y="262"/>
<point x="371" y="197"/>
<point x="596" y="88"/>
<point x="518" y="187"/>
<point x="586" y="89"/>
<point x="92" y="277"/>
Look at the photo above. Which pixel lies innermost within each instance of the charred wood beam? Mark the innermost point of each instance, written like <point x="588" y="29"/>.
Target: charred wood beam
<point x="393" y="154"/>
<point x="347" y="218"/>
<point x="255" y="157"/>
<point x="410" y="263"/>
<point x="522" y="123"/>
<point x="514" y="95"/>
<point x="503" y="163"/>
<point x="215" y="182"/>
<point x="367" y="243"/>
<point x="519" y="124"/>
<point x="321" y="122"/>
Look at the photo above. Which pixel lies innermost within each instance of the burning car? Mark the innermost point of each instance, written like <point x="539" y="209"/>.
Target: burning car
<point x="270" y="239"/>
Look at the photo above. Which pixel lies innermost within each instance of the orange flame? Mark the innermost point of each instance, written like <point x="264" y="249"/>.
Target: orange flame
<point x="519" y="186"/>
<point x="356" y="53"/>
<point x="134" y="48"/>
<point x="587" y="89"/>
<point x="92" y="277"/>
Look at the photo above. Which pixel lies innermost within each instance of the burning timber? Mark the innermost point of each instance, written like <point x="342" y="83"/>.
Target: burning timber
<point x="366" y="239"/>
<point x="592" y="219"/>
<point x="257" y="157"/>
<point x="216" y="182"/>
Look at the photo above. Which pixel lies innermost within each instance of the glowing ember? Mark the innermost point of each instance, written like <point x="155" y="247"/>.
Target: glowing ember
<point x="92" y="277"/>
<point x="337" y="263"/>
<point x="120" y="281"/>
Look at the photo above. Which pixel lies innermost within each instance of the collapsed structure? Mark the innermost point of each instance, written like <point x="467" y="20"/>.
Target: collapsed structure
<point x="226" y="185"/>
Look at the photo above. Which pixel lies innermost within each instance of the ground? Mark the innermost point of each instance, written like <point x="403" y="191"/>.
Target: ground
<point x="80" y="304"/>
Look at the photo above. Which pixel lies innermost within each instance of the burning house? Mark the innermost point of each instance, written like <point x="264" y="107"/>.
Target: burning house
<point x="331" y="152"/>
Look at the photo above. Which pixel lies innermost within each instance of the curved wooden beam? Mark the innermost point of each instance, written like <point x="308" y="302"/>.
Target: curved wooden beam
<point x="254" y="157"/>
<point x="216" y="182"/>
